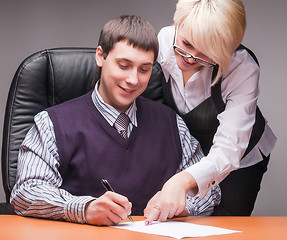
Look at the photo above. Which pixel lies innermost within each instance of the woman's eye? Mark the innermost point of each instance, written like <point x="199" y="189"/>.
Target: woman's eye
<point x="187" y="44"/>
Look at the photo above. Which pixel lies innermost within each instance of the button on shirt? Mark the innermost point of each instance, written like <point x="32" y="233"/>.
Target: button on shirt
<point x="239" y="92"/>
<point x="34" y="195"/>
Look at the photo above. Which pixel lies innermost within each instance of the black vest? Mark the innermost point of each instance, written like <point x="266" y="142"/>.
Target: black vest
<point x="90" y="150"/>
<point x="202" y="121"/>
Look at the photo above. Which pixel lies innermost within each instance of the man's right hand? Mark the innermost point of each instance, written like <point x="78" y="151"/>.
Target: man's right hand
<point x="109" y="209"/>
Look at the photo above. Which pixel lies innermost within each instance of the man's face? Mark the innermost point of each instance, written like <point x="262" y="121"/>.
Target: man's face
<point x="125" y="74"/>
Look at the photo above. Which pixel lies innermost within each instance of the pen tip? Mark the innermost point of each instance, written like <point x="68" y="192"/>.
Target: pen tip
<point x="130" y="218"/>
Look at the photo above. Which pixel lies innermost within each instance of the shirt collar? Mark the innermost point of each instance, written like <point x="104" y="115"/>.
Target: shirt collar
<point x="109" y="112"/>
<point x="169" y="66"/>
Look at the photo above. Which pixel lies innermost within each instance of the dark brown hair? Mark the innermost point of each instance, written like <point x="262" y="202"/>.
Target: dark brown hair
<point x="137" y="31"/>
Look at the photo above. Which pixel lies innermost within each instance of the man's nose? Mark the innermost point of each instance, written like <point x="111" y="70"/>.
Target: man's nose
<point x="132" y="78"/>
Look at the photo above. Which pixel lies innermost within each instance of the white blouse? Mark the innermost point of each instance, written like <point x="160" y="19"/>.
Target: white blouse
<point x="240" y="93"/>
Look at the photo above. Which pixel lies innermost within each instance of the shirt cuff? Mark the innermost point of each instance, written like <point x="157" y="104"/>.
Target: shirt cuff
<point x="205" y="177"/>
<point x="75" y="209"/>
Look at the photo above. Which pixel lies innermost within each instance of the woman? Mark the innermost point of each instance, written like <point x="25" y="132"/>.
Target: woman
<point x="212" y="82"/>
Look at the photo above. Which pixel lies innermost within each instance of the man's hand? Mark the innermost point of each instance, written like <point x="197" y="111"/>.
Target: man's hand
<point x="109" y="209"/>
<point x="171" y="200"/>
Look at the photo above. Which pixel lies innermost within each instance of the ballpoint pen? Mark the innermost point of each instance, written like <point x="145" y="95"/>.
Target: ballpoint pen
<point x="108" y="187"/>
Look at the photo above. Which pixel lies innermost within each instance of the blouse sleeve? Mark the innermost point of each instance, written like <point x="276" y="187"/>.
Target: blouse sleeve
<point x="240" y="92"/>
<point x="192" y="153"/>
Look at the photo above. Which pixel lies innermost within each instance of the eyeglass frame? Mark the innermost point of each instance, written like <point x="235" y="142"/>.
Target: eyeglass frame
<point x="189" y="55"/>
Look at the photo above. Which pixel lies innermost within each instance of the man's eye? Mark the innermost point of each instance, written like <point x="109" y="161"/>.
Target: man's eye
<point x="143" y="70"/>
<point x="122" y="66"/>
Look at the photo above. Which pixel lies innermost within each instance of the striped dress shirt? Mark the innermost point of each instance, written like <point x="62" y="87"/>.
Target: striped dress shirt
<point x="38" y="192"/>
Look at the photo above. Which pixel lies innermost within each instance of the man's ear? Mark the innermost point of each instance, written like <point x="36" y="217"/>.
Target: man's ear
<point x="99" y="56"/>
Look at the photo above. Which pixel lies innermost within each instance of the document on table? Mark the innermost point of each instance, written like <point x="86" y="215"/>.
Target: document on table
<point x="174" y="229"/>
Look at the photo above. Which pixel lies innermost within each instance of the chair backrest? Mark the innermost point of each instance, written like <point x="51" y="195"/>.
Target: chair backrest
<point x="44" y="79"/>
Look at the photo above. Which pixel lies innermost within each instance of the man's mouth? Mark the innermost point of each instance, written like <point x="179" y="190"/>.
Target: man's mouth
<point x="127" y="90"/>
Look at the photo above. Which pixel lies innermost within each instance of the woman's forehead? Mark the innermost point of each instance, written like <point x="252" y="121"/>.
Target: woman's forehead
<point x="185" y="33"/>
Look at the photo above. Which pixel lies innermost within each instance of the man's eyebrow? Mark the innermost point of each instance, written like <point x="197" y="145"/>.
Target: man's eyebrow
<point x="128" y="60"/>
<point x="123" y="59"/>
<point x="148" y="63"/>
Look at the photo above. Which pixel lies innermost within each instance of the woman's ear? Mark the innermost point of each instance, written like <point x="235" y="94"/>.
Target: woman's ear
<point x="99" y="56"/>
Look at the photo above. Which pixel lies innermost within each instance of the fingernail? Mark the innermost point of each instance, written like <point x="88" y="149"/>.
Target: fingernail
<point x="146" y="223"/>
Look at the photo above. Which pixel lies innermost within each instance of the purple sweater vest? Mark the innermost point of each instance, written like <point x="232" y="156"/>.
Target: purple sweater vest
<point x="91" y="150"/>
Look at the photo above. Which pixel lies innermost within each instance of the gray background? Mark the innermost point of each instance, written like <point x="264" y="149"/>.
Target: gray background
<point x="32" y="25"/>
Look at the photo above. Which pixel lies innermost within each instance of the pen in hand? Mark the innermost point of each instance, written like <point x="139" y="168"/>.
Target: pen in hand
<point x="108" y="187"/>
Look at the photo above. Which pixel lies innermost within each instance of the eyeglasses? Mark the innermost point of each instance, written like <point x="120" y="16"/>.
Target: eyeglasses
<point x="186" y="54"/>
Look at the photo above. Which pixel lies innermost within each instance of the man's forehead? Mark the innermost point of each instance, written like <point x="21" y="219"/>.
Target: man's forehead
<point x="127" y="52"/>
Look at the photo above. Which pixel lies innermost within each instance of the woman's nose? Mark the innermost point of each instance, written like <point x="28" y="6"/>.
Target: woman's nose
<point x="190" y="59"/>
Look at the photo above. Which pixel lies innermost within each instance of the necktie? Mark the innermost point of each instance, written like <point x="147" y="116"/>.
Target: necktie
<point x="121" y="124"/>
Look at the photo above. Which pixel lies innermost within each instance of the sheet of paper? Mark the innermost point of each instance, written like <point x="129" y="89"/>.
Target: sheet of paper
<point x="174" y="229"/>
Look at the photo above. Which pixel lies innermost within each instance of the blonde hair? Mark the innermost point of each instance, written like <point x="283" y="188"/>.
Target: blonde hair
<point x="217" y="28"/>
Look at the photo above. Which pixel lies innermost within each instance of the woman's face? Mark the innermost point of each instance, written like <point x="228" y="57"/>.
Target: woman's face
<point x="188" y="65"/>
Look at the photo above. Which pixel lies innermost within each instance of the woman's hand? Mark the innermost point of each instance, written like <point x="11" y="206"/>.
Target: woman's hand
<point x="109" y="209"/>
<point x="171" y="200"/>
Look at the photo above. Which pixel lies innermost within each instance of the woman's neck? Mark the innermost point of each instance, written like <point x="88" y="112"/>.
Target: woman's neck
<point x="187" y="75"/>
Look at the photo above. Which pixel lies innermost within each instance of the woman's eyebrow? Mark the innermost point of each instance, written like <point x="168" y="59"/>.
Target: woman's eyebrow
<point x="185" y="41"/>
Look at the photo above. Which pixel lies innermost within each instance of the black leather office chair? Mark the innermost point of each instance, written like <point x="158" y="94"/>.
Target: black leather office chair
<point x="44" y="79"/>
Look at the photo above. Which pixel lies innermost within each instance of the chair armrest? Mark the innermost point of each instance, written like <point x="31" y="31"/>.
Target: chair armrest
<point x="6" y="209"/>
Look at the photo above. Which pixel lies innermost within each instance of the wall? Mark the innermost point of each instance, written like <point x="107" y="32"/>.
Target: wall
<point x="32" y="25"/>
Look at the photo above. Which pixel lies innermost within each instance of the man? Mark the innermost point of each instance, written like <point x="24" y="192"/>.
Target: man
<point x="74" y="145"/>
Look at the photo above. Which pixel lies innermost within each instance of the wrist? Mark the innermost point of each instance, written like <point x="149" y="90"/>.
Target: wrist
<point x="87" y="211"/>
<point x="188" y="181"/>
